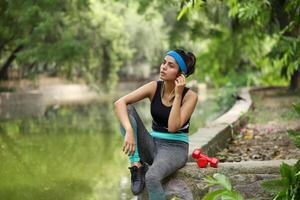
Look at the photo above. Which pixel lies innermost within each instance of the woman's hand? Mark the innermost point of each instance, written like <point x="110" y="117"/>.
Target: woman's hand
<point x="179" y="84"/>
<point x="129" y="143"/>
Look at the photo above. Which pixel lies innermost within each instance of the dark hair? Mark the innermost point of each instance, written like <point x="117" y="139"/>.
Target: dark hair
<point x="189" y="59"/>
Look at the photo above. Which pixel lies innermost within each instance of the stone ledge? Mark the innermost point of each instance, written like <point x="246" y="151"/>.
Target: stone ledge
<point x="250" y="167"/>
<point x="216" y="134"/>
<point x="245" y="177"/>
<point x="188" y="182"/>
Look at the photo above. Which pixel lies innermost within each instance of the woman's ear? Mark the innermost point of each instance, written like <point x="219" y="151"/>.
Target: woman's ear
<point x="180" y="74"/>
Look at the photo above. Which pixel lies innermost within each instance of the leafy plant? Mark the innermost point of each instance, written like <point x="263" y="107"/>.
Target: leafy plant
<point x="246" y="42"/>
<point x="295" y="135"/>
<point x="227" y="193"/>
<point x="288" y="185"/>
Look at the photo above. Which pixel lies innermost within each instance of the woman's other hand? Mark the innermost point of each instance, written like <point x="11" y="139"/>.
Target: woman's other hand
<point x="129" y="143"/>
<point x="179" y="84"/>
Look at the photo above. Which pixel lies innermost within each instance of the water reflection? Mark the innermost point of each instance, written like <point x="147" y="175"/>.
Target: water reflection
<point x="73" y="152"/>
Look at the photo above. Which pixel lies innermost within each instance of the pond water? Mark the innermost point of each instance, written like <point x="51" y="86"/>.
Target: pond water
<point x="73" y="152"/>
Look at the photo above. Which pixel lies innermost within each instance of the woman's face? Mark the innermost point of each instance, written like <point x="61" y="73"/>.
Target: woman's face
<point x="169" y="69"/>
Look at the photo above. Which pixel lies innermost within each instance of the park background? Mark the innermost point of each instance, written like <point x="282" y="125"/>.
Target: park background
<point x="74" y="151"/>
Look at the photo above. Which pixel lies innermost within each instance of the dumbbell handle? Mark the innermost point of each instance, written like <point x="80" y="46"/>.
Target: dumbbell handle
<point x="213" y="161"/>
<point x="205" y="157"/>
<point x="198" y="155"/>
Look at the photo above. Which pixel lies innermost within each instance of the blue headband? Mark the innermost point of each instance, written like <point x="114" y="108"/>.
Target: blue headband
<point x="179" y="61"/>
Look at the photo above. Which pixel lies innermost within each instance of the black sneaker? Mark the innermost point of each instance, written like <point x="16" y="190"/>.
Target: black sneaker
<point x="137" y="178"/>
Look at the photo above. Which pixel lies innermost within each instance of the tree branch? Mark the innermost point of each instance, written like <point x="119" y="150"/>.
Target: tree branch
<point x="6" y="65"/>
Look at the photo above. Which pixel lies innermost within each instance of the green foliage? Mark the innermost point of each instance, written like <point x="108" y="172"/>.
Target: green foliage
<point x="223" y="54"/>
<point x="295" y="135"/>
<point x="237" y="42"/>
<point x="40" y="28"/>
<point x="147" y="39"/>
<point x="79" y="39"/>
<point x="109" y="44"/>
<point x="260" y="15"/>
<point x="226" y="193"/>
<point x="288" y="185"/>
<point x="245" y="42"/>
<point x="297" y="108"/>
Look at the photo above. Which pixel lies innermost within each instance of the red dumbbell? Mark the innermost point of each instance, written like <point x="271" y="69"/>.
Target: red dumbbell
<point x="202" y="163"/>
<point x="198" y="155"/>
<point x="212" y="160"/>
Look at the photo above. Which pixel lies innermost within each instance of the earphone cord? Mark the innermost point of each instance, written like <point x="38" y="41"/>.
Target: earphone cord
<point x="162" y="92"/>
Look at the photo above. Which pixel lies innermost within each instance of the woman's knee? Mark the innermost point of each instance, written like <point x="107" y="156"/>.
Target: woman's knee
<point x="151" y="177"/>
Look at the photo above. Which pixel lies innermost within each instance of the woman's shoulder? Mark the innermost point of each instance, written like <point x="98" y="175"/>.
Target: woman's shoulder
<point x="153" y="85"/>
<point x="190" y="93"/>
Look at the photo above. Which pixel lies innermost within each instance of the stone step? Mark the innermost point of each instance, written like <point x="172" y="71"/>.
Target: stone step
<point x="188" y="183"/>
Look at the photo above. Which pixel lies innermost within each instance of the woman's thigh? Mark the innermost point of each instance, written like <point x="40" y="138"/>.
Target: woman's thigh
<point x="170" y="156"/>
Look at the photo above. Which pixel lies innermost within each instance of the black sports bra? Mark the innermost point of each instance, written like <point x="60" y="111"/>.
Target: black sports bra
<point x="160" y="113"/>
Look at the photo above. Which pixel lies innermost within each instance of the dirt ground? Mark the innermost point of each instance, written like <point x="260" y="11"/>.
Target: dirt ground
<point x="265" y="136"/>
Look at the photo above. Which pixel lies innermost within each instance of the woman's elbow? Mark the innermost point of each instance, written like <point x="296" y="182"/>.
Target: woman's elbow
<point x="172" y="129"/>
<point x="117" y="103"/>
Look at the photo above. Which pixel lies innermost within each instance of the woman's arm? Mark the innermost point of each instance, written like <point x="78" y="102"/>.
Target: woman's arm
<point x="146" y="91"/>
<point x="181" y="113"/>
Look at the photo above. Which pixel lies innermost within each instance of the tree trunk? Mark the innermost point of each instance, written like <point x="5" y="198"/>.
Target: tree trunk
<point x="280" y="14"/>
<point x="5" y="43"/>
<point x="295" y="80"/>
<point x="7" y="64"/>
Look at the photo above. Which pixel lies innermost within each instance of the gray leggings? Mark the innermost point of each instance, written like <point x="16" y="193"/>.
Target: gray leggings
<point x="164" y="156"/>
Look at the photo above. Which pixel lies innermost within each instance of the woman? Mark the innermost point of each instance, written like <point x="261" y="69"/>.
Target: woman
<point x="164" y="150"/>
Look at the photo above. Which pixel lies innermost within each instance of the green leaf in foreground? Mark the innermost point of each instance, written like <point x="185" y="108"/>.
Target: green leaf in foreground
<point x="232" y="195"/>
<point x="288" y="172"/>
<point x="226" y="194"/>
<point x="297" y="108"/>
<point x="213" y="195"/>
<point x="223" y="181"/>
<point x="275" y="185"/>
<point x="295" y="136"/>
